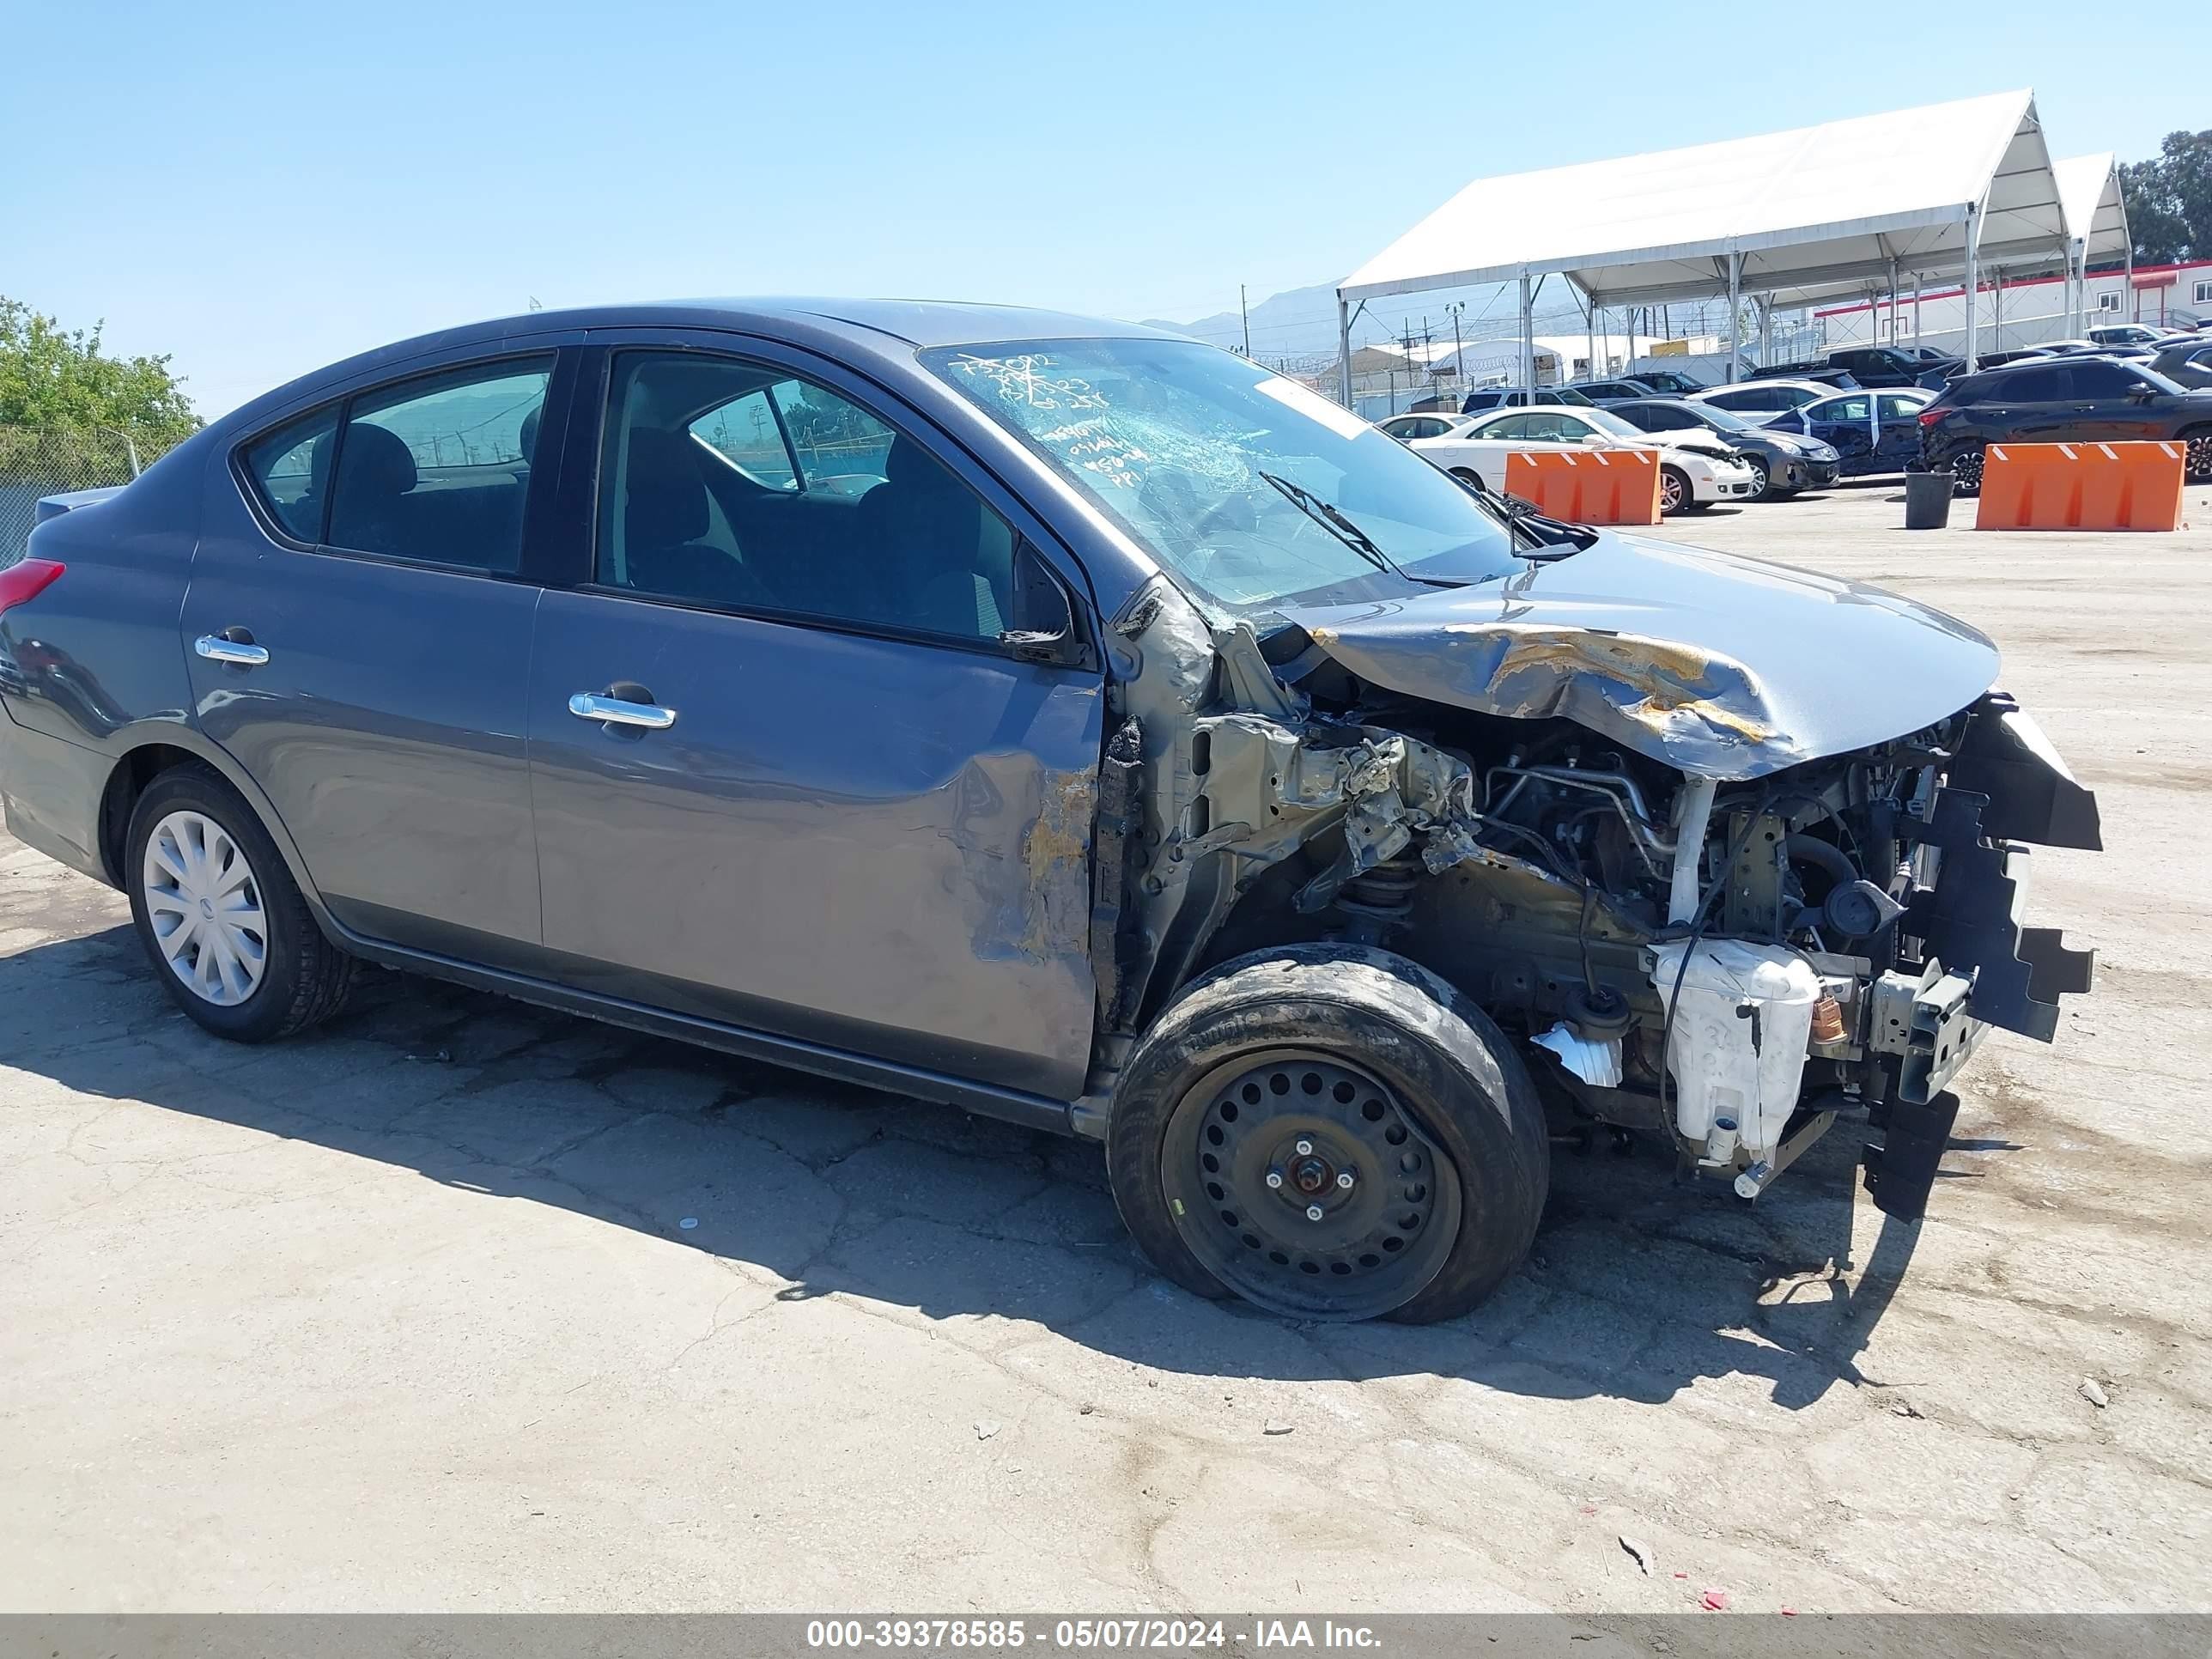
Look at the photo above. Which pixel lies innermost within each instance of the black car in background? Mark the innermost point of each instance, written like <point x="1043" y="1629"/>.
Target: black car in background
<point x="2187" y="362"/>
<point x="1825" y="373"/>
<point x="2059" y="400"/>
<point x="1785" y="463"/>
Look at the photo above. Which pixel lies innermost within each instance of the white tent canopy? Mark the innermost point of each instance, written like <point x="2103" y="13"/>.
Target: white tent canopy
<point x="1938" y="189"/>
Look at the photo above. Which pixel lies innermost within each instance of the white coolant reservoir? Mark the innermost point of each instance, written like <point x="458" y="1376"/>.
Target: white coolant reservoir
<point x="1738" y="1046"/>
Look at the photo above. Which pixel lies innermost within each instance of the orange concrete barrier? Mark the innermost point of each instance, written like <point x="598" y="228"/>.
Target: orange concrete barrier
<point x="2081" y="486"/>
<point x="1586" y="486"/>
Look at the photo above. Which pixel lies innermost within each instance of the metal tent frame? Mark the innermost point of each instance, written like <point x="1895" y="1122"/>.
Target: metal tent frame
<point x="1786" y="217"/>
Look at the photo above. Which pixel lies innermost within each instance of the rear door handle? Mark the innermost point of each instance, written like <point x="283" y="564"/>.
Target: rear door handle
<point x="614" y="711"/>
<point x="247" y="654"/>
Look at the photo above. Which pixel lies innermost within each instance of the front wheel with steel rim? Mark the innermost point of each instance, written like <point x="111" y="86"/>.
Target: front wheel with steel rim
<point x="1675" y="492"/>
<point x="1330" y="1132"/>
<point x="219" y="915"/>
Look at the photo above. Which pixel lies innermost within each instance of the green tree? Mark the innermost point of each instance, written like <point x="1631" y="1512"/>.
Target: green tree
<point x="55" y="378"/>
<point x="2169" y="200"/>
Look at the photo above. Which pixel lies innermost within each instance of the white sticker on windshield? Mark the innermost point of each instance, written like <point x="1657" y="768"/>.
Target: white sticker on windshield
<point x="1291" y="395"/>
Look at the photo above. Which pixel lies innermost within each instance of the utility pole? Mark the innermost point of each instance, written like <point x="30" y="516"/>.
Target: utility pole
<point x="1247" y="316"/>
<point x="1459" y="364"/>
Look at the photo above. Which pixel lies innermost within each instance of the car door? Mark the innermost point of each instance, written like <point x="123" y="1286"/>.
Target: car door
<point x="2109" y="403"/>
<point x="2034" y="404"/>
<point x="789" y="774"/>
<point x="358" y="635"/>
<point x="1898" y="420"/>
<point x="1845" y="422"/>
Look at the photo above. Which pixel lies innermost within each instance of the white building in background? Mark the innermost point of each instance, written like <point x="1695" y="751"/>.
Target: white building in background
<point x="2022" y="313"/>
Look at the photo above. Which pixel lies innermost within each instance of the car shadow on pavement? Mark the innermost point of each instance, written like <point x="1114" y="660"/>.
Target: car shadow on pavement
<point x="1638" y="1286"/>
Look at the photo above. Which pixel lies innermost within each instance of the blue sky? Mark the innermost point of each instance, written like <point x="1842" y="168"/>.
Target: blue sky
<point x="260" y="189"/>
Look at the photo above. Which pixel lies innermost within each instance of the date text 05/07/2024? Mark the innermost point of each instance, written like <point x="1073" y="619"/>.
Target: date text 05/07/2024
<point x="1085" y="1634"/>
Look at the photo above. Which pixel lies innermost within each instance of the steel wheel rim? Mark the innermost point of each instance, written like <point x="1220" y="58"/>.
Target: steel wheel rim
<point x="1380" y="1240"/>
<point x="204" y="904"/>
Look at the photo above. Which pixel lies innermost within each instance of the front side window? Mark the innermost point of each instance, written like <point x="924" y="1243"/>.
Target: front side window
<point x="1229" y="474"/>
<point x="734" y="485"/>
<point x="436" y="471"/>
<point x="2103" y="380"/>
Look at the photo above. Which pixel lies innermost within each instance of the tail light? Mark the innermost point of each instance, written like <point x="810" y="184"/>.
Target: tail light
<point x="25" y="579"/>
<point x="1933" y="413"/>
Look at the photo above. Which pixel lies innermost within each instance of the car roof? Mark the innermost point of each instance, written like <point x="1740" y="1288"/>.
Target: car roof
<point x="1821" y="386"/>
<point x="861" y="327"/>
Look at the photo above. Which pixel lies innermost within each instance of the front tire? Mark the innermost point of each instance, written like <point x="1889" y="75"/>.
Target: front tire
<point x="1766" y="491"/>
<point x="221" y="919"/>
<point x="1405" y="1144"/>
<point x="1676" y="494"/>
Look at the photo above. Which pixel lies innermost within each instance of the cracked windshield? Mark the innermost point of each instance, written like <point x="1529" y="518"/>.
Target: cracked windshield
<point x="1248" y="485"/>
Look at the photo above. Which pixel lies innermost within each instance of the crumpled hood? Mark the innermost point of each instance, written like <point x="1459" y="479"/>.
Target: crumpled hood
<point x="1722" y="666"/>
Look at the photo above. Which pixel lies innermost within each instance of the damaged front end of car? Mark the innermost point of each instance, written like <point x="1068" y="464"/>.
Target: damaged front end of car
<point x="1715" y="913"/>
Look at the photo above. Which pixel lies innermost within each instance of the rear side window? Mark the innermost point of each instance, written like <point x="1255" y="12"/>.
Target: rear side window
<point x="290" y="469"/>
<point x="2034" y="386"/>
<point x="436" y="471"/>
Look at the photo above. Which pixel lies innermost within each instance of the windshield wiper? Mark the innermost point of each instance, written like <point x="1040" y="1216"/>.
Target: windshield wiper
<point x="1332" y="519"/>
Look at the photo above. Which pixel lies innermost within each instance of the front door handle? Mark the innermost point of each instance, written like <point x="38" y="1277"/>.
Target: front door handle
<point x="217" y="648"/>
<point x="615" y="711"/>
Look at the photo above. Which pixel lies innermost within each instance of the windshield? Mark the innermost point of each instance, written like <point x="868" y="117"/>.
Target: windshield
<point x="1727" y="420"/>
<point x="1189" y="449"/>
<point x="1606" y="419"/>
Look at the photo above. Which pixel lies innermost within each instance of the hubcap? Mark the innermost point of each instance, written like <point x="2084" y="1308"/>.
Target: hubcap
<point x="1305" y="1186"/>
<point x="205" y="906"/>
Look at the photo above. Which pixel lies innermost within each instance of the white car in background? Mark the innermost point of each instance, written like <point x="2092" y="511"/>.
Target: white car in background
<point x="1697" y="467"/>
<point x="1762" y="400"/>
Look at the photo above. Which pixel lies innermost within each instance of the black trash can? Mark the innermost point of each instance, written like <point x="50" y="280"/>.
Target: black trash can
<point x="1927" y="501"/>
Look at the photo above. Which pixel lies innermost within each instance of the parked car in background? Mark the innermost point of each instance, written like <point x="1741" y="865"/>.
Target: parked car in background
<point x="1606" y="392"/>
<point x="1826" y="375"/>
<point x="2186" y="361"/>
<point x="1696" y="468"/>
<point x="1784" y="462"/>
<point x="1878" y="366"/>
<point x="2128" y="334"/>
<point x="718" y="686"/>
<point x="1420" y="424"/>
<point x="1669" y="382"/>
<point x="1517" y="397"/>
<point x="2058" y="400"/>
<point x="1871" y="431"/>
<point x="1757" y="400"/>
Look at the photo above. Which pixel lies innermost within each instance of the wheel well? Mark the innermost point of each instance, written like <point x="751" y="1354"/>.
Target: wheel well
<point x="132" y="773"/>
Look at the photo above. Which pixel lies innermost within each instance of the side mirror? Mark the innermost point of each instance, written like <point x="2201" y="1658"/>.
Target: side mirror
<point x="2140" y="393"/>
<point x="1044" y="627"/>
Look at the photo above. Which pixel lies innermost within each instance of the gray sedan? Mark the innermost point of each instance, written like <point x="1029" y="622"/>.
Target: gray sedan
<point x="1064" y="719"/>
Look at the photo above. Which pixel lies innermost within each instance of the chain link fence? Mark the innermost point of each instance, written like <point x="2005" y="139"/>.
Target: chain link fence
<point x="36" y="461"/>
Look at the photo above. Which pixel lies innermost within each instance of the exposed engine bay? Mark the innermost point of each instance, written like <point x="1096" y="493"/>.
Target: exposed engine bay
<point x="1721" y="956"/>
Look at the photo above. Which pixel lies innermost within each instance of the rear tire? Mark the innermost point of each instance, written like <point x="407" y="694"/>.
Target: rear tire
<point x="223" y="922"/>
<point x="1315" y="1063"/>
<point x="1468" y="476"/>
<point x="1967" y="472"/>
<point x="1676" y="494"/>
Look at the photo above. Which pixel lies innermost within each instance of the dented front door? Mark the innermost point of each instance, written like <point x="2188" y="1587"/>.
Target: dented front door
<point x="875" y="844"/>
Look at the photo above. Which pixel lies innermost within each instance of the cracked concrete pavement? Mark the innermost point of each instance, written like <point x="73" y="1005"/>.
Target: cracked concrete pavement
<point x="458" y="1304"/>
